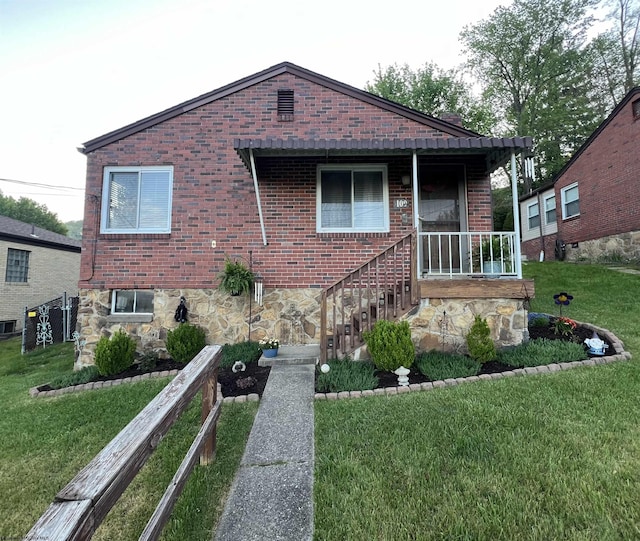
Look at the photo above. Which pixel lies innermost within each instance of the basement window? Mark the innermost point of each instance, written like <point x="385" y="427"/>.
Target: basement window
<point x="285" y="105"/>
<point x="131" y="301"/>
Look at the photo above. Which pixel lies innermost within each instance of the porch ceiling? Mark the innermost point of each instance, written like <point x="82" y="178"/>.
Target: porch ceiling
<point x="496" y="150"/>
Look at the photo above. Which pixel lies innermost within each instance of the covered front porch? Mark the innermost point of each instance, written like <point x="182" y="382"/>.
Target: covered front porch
<point x="419" y="213"/>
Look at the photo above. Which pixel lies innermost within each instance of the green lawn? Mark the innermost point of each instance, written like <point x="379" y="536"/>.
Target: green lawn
<point x="44" y="442"/>
<point x="554" y="456"/>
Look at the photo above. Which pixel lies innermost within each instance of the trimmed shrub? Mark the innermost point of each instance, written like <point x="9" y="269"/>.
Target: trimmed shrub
<point x="346" y="375"/>
<point x="84" y="375"/>
<point x="246" y="352"/>
<point x="390" y="345"/>
<point x="481" y="347"/>
<point x="437" y="365"/>
<point x="185" y="342"/>
<point x="148" y="361"/>
<point x="116" y="354"/>
<point x="542" y="351"/>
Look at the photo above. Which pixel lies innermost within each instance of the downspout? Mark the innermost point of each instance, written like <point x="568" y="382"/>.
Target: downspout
<point x="416" y="214"/>
<point x="254" y="174"/>
<point x="516" y="213"/>
<point x="541" y="231"/>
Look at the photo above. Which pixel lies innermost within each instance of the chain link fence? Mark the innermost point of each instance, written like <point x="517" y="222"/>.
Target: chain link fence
<point x="52" y="322"/>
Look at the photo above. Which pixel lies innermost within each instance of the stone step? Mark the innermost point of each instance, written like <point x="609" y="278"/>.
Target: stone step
<point x="291" y="355"/>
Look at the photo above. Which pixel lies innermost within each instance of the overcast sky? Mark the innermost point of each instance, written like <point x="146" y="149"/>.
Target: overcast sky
<point x="71" y="70"/>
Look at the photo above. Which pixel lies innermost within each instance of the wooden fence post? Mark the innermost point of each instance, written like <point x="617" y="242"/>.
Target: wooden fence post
<point x="209" y="399"/>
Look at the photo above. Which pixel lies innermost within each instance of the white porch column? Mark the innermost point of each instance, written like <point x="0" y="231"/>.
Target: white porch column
<point x="416" y="212"/>
<point x="516" y="213"/>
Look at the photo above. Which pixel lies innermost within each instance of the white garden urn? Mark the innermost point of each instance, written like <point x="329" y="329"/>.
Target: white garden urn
<point x="402" y="373"/>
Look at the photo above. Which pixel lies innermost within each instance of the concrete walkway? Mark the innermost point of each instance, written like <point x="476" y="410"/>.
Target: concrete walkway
<point x="272" y="494"/>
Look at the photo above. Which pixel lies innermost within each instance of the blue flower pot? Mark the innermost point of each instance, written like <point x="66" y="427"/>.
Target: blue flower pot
<point x="270" y="352"/>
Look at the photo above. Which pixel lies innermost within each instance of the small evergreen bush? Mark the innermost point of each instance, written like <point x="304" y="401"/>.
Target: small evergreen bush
<point x="185" y="342"/>
<point x="116" y="354"/>
<point x="346" y="375"/>
<point x="437" y="365"/>
<point x="148" y="361"/>
<point x="481" y="347"/>
<point x="246" y="352"/>
<point x="390" y="345"/>
<point x="542" y="351"/>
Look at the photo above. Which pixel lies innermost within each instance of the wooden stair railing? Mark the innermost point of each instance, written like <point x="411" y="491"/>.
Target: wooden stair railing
<point x="385" y="287"/>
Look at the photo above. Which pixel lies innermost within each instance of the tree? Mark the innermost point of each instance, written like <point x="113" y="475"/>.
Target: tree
<point x="617" y="51"/>
<point x="433" y="91"/>
<point x="531" y="59"/>
<point x="28" y="211"/>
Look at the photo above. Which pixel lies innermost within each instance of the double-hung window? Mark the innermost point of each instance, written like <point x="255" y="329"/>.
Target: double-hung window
<point x="570" y="201"/>
<point x="550" y="209"/>
<point x="131" y="301"/>
<point x="352" y="198"/>
<point x="137" y="200"/>
<point x="17" y="266"/>
<point x="533" y="212"/>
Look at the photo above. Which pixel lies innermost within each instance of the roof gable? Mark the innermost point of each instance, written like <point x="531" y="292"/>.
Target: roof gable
<point x="633" y="93"/>
<point x="278" y="69"/>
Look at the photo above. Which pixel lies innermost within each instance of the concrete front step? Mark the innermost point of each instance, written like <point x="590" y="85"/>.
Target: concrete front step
<point x="291" y="355"/>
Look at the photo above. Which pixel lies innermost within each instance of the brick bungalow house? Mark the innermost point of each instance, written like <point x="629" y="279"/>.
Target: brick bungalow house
<point x="348" y="207"/>
<point x="592" y="206"/>
<point x="37" y="266"/>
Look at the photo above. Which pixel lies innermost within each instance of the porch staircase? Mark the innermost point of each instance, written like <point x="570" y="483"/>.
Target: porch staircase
<point x="385" y="287"/>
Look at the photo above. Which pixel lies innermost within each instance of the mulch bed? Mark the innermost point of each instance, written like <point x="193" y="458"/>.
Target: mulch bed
<point x="388" y="379"/>
<point x="254" y="378"/>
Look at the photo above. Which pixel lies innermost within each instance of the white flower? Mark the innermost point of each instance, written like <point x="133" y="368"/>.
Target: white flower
<point x="269" y="343"/>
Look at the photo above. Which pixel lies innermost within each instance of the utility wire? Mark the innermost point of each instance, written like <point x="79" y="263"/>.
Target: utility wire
<point x="40" y="185"/>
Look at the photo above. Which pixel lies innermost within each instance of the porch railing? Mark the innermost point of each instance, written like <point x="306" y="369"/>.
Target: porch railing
<point x="385" y="287"/>
<point x="469" y="253"/>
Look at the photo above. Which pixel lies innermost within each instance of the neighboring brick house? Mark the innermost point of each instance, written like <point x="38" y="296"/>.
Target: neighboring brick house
<point x="591" y="211"/>
<point x="36" y="266"/>
<point x="305" y="179"/>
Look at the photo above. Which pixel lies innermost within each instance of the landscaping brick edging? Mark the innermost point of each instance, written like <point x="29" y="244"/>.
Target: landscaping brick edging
<point x="35" y="393"/>
<point x="618" y="346"/>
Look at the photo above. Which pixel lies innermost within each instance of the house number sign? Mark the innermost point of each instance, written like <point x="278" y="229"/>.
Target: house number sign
<point x="402" y="203"/>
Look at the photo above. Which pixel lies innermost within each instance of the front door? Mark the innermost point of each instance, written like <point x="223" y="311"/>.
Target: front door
<point x="442" y="216"/>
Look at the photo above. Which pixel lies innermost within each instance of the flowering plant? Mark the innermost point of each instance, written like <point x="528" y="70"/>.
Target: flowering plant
<point x="564" y="326"/>
<point x="269" y="343"/>
<point x="562" y="299"/>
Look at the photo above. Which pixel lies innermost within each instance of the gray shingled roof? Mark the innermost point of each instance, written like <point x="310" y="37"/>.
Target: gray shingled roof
<point x="21" y="232"/>
<point x="497" y="150"/>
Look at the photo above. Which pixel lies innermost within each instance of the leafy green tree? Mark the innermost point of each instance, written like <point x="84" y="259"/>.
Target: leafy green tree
<point x="433" y="91"/>
<point x="617" y="51"/>
<point x="74" y="229"/>
<point x="28" y="211"/>
<point x="531" y="59"/>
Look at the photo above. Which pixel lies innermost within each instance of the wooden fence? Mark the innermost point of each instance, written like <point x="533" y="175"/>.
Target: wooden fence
<point x="81" y="506"/>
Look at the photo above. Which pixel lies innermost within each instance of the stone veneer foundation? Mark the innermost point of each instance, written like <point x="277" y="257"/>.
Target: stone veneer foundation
<point x="622" y="247"/>
<point x="291" y="315"/>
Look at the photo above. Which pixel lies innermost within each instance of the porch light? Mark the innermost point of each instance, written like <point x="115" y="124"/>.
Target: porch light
<point x="406" y="180"/>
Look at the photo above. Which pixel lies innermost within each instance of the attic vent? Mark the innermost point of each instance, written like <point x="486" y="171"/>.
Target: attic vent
<point x="636" y="109"/>
<point x="285" y="105"/>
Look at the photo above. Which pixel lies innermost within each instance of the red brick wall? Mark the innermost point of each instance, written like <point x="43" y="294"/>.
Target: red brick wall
<point x="214" y="198"/>
<point x="608" y="177"/>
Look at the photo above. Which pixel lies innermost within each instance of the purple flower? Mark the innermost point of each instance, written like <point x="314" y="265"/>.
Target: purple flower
<point x="563" y="298"/>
